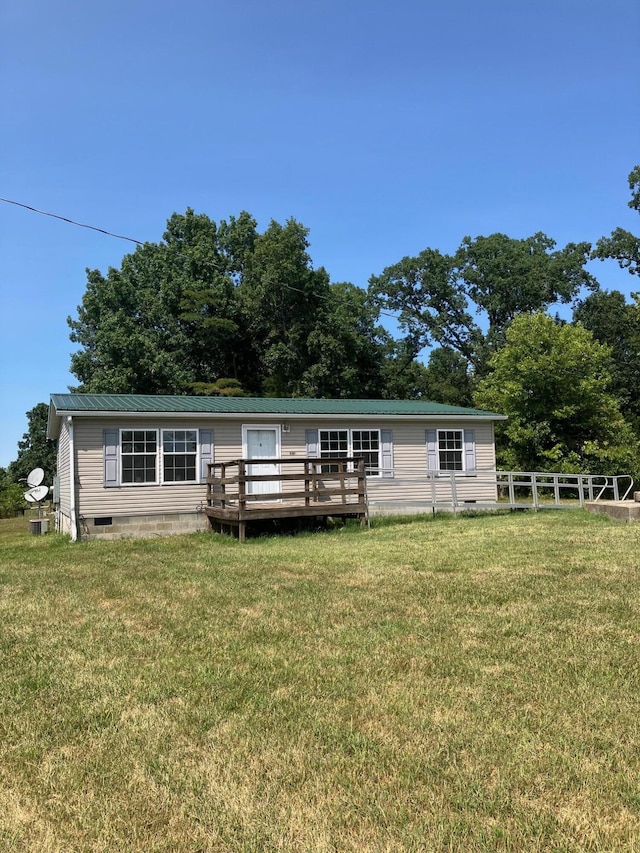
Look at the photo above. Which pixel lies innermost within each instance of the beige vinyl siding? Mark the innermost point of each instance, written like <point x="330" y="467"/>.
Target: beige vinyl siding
<point x="63" y="466"/>
<point x="409" y="453"/>
<point x="94" y="499"/>
<point x="410" y="481"/>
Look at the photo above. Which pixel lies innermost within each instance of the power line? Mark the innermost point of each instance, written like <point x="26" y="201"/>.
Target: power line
<point x="142" y="243"/>
<point x="72" y="221"/>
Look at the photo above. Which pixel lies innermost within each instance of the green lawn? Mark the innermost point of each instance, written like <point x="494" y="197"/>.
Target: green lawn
<point x="467" y="684"/>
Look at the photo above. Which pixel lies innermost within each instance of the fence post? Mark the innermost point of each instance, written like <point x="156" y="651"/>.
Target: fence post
<point x="362" y="492"/>
<point x="454" y="493"/>
<point x="534" y="490"/>
<point x="581" y="489"/>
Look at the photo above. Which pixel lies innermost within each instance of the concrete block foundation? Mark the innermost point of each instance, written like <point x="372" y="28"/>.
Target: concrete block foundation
<point x="142" y="526"/>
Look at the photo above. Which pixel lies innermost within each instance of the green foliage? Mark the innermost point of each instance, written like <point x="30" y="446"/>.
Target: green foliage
<point x="220" y="388"/>
<point x="448" y="379"/>
<point x="217" y="302"/>
<point x="497" y="277"/>
<point x="553" y="382"/>
<point x="11" y="500"/>
<point x="616" y="323"/>
<point x="622" y="245"/>
<point x="35" y="450"/>
<point x="346" y="348"/>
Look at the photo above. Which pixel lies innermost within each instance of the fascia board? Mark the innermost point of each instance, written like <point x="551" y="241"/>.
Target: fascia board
<point x="280" y="416"/>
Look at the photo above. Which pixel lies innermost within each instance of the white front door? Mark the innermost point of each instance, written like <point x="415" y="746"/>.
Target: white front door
<point x="262" y="442"/>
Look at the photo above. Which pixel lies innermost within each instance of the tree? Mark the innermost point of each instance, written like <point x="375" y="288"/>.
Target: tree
<point x="224" y="309"/>
<point x="447" y="378"/>
<point x="12" y="500"/>
<point x="616" y="323"/>
<point x="35" y="450"/>
<point x="497" y="277"/>
<point x="346" y="349"/>
<point x="169" y="316"/>
<point x="622" y="245"/>
<point x="552" y="380"/>
<point x="282" y="296"/>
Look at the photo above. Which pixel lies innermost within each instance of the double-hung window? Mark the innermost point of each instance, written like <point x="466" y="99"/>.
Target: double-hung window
<point x="450" y="450"/>
<point x="365" y="443"/>
<point x="139" y="455"/>
<point x="334" y="443"/>
<point x="156" y="456"/>
<point x="179" y="455"/>
<point x="361" y="443"/>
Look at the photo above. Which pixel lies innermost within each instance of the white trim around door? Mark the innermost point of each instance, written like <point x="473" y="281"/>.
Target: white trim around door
<point x="262" y="441"/>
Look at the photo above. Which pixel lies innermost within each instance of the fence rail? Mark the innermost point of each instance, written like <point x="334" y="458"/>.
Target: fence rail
<point x="456" y="490"/>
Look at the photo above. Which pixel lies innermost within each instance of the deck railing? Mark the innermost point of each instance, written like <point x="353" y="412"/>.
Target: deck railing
<point x="237" y="494"/>
<point x="316" y="480"/>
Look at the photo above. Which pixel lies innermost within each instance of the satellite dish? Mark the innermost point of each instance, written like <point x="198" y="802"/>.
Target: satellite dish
<point x="35" y="477"/>
<point x="37" y="494"/>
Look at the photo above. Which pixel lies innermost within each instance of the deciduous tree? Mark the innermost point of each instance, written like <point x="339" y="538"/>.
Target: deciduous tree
<point x="615" y="322"/>
<point x="492" y="278"/>
<point x="35" y="450"/>
<point x="221" y="308"/>
<point x="553" y="382"/>
<point x="622" y="245"/>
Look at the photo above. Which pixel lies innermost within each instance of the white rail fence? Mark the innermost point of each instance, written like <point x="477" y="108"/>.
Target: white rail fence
<point x="424" y="491"/>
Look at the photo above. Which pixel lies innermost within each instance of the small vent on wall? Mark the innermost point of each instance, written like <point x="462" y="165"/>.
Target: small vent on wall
<point x="104" y="521"/>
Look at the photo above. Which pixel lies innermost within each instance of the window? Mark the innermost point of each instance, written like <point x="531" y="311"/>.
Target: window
<point x="361" y="443"/>
<point x="450" y="450"/>
<point x="152" y="456"/>
<point x="138" y="453"/>
<point x="366" y="443"/>
<point x="179" y="454"/>
<point x="334" y="443"/>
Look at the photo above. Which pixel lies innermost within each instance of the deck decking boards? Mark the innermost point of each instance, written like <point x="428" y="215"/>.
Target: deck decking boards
<point x="340" y="492"/>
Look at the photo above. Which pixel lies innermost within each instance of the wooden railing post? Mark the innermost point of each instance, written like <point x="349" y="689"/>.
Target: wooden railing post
<point x="307" y="483"/>
<point x="223" y="485"/>
<point x="242" y="485"/>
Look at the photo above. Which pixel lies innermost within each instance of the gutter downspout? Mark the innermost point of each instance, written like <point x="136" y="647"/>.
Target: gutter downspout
<point x="72" y="482"/>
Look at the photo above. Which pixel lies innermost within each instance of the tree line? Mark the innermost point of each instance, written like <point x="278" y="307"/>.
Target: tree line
<point x="223" y="308"/>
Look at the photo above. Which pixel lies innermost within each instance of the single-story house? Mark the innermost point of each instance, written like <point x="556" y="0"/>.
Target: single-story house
<point x="136" y="465"/>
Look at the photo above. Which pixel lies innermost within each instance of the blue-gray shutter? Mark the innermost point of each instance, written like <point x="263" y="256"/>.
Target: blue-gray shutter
<point x="469" y="450"/>
<point x="431" y="438"/>
<point x="206" y="453"/>
<point x="313" y="445"/>
<point x="386" y="455"/>
<point x="110" y="440"/>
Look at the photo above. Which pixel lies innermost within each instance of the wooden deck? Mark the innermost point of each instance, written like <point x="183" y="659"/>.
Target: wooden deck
<point x="299" y="488"/>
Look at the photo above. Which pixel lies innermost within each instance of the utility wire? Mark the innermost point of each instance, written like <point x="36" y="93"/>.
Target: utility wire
<point x="72" y="222"/>
<point x="141" y="243"/>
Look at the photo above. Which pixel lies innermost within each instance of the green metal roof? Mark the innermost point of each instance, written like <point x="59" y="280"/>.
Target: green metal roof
<point x="140" y="403"/>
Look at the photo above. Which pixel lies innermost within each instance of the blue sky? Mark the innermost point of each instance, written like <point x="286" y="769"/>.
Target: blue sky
<point x="384" y="127"/>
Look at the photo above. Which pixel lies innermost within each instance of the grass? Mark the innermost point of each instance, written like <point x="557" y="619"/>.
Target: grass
<point x="464" y="684"/>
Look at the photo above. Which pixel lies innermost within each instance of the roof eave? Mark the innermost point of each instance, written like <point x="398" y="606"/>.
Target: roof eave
<point x="280" y="416"/>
